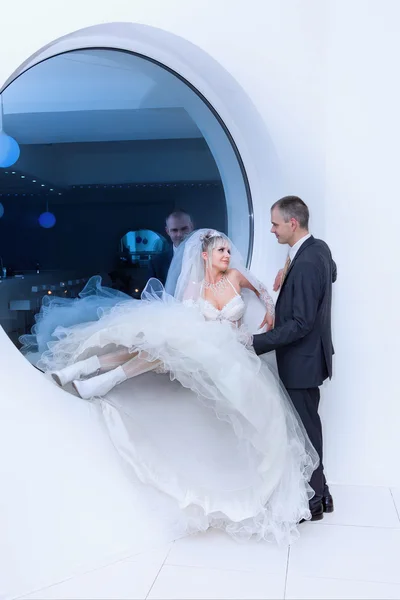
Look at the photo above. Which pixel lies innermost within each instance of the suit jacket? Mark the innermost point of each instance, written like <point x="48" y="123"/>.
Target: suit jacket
<point x="159" y="265"/>
<point x="302" y="334"/>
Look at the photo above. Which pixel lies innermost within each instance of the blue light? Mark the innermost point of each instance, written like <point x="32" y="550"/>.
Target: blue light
<point x="1" y="210"/>
<point x="47" y="220"/>
<point x="9" y="150"/>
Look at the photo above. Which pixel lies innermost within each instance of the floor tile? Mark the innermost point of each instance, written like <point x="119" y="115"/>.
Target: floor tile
<point x="343" y="552"/>
<point x="395" y="493"/>
<point x="216" y="550"/>
<point x="362" y="505"/>
<point x="308" y="588"/>
<point x="189" y="583"/>
<point x="129" y="579"/>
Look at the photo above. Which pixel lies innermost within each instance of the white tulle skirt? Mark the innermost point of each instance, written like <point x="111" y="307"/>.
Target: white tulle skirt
<point x="216" y="432"/>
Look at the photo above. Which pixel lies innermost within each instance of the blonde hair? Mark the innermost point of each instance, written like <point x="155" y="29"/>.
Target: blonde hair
<point x="211" y="240"/>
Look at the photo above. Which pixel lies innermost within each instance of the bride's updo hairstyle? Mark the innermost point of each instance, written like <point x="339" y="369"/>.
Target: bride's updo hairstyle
<point x="210" y="240"/>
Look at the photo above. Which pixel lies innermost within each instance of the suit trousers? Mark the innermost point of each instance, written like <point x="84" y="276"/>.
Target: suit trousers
<point x="306" y="402"/>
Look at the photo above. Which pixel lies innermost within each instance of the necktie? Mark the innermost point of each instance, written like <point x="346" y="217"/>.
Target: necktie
<point x="285" y="269"/>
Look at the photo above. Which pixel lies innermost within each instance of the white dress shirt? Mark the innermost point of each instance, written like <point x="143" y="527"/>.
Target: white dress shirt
<point x="295" y="248"/>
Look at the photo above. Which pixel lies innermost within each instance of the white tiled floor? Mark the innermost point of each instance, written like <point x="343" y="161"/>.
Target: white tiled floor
<point x="130" y="578"/>
<point x="353" y="553"/>
<point x="396" y="497"/>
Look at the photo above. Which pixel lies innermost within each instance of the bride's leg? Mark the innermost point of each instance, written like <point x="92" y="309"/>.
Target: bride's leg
<point x="138" y="365"/>
<point x="106" y="362"/>
<point x="115" y="359"/>
<point x="92" y="366"/>
<point x="82" y="368"/>
<point x="102" y="384"/>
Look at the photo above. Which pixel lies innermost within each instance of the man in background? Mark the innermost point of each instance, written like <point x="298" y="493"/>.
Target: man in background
<point x="178" y="225"/>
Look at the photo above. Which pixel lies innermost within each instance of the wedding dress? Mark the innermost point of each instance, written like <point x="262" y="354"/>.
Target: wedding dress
<point x="212" y="428"/>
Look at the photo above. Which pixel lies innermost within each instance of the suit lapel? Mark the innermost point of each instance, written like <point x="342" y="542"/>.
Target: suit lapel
<point x="305" y="244"/>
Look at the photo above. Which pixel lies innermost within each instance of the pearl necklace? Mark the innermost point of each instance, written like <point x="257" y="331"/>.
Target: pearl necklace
<point x="216" y="287"/>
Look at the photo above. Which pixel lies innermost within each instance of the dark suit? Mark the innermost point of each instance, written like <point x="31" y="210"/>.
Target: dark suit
<point x="159" y="265"/>
<point x="302" y="338"/>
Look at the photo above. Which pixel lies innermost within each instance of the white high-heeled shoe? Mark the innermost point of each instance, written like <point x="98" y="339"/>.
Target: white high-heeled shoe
<point x="99" y="386"/>
<point x="78" y="369"/>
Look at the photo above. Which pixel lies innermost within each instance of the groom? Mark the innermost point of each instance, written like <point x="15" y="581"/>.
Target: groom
<point x="302" y="332"/>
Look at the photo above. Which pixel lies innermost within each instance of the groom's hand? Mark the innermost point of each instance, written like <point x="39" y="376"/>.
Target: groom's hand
<point x="278" y="280"/>
<point x="268" y="322"/>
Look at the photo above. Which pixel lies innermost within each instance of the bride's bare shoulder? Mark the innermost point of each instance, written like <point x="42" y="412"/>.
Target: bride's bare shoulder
<point x="233" y="274"/>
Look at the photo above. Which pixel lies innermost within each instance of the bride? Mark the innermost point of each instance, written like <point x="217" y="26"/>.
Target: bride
<point x="231" y="451"/>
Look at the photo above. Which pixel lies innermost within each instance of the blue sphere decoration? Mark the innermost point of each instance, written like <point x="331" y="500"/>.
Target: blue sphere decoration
<point x="9" y="150"/>
<point x="1" y="210"/>
<point x="47" y="220"/>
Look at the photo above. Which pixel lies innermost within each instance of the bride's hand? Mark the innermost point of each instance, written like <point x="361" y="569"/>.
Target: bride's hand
<point x="267" y="322"/>
<point x="278" y="280"/>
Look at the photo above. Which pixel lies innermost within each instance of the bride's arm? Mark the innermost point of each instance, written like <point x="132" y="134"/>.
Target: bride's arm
<point x="261" y="292"/>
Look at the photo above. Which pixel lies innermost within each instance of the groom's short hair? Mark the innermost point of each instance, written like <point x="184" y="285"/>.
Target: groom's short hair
<point x="293" y="207"/>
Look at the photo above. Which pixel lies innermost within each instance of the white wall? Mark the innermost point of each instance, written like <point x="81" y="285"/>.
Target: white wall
<point x="362" y="187"/>
<point x="323" y="77"/>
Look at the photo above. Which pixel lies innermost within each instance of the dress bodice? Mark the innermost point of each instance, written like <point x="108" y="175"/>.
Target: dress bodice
<point x="233" y="310"/>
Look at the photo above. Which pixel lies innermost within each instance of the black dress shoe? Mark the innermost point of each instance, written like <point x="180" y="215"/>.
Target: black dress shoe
<point x="317" y="513"/>
<point x="327" y="503"/>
